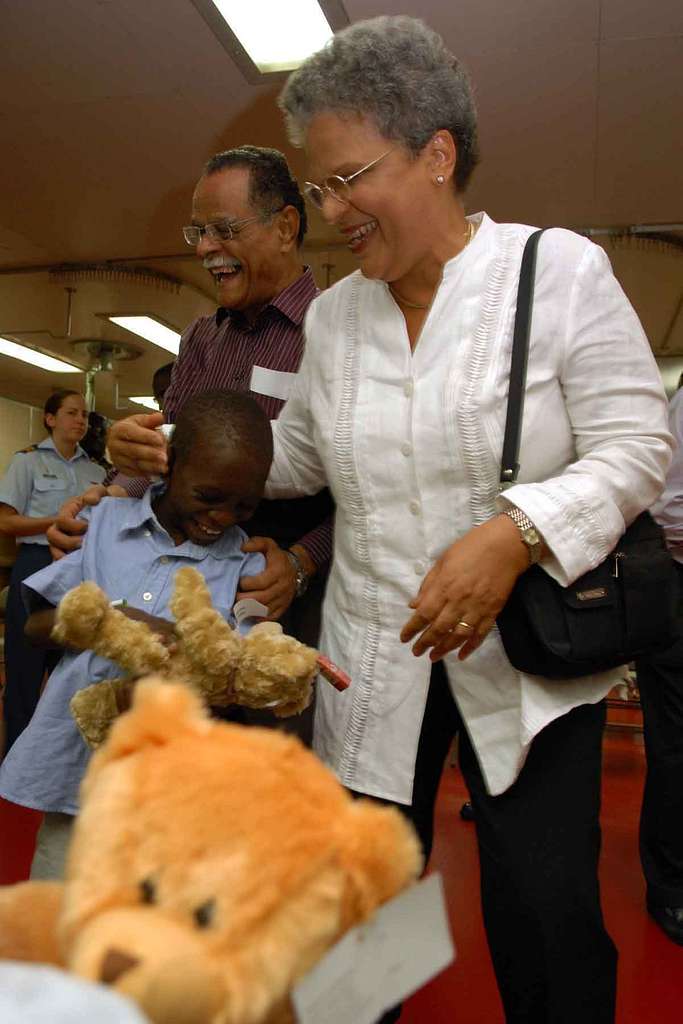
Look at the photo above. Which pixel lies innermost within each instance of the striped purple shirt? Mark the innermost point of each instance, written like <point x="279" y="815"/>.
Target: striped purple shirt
<point x="226" y="351"/>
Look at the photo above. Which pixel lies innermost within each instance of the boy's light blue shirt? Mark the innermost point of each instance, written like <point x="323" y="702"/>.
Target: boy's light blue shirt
<point x="130" y="556"/>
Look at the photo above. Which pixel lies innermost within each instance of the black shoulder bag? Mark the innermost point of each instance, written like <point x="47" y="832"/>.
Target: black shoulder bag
<point x="624" y="608"/>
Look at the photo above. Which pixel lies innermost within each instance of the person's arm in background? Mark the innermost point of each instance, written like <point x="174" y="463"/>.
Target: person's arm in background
<point x="314" y="549"/>
<point x="13" y="524"/>
<point x="296" y="471"/>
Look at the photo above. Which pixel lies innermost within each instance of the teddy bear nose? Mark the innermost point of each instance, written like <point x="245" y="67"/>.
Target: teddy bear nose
<point x="114" y="964"/>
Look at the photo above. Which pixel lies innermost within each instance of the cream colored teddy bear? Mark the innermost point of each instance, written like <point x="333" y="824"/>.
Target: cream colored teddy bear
<point x="265" y="669"/>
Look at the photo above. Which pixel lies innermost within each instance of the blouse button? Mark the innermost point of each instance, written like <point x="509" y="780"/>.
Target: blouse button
<point x="164" y="559"/>
<point x="419" y="568"/>
<point x="408" y="388"/>
<point x="414" y="508"/>
<point x="147" y="596"/>
<point x="406" y="449"/>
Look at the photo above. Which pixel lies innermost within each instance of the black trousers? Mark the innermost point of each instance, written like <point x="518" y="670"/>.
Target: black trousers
<point x="660" y="681"/>
<point x="539" y="844"/>
<point x="25" y="665"/>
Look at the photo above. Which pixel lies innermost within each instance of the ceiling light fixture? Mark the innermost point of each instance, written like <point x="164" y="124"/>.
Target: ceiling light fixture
<point x="150" y="329"/>
<point x="146" y="400"/>
<point x="35" y="358"/>
<point x="269" y="36"/>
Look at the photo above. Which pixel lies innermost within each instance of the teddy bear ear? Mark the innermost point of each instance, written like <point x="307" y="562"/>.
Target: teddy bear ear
<point x="161" y="711"/>
<point x="382" y="855"/>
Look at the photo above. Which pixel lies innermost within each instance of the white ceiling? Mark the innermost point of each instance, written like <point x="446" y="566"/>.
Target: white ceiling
<point x="108" y="109"/>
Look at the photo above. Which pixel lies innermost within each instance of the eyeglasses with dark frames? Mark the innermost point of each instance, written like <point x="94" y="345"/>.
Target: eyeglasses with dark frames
<point x="222" y="230"/>
<point x="338" y="185"/>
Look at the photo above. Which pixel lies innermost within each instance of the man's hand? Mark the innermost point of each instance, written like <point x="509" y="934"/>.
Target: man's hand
<point x="66" y="533"/>
<point x="466" y="588"/>
<point x="276" y="585"/>
<point x="136" y="448"/>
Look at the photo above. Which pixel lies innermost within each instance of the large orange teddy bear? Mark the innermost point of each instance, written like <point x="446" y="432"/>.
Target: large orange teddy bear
<point x="211" y="867"/>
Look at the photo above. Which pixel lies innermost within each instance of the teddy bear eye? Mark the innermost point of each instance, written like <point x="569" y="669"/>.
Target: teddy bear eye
<point x="203" y="916"/>
<point x="148" y="892"/>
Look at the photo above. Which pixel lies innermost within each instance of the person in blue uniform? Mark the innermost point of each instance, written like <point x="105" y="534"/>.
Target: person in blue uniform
<point x="38" y="481"/>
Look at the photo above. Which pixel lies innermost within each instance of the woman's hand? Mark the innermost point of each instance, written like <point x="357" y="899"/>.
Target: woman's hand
<point x="464" y="591"/>
<point x="275" y="587"/>
<point x="136" y="448"/>
<point x="66" y="532"/>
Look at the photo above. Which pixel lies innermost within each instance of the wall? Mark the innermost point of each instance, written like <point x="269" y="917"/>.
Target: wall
<point x="20" y="425"/>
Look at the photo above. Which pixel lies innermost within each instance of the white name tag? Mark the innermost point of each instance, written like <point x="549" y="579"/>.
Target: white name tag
<point x="381" y="962"/>
<point x="274" y="383"/>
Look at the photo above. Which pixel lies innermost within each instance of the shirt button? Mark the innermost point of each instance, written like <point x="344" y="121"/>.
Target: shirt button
<point x="146" y="533"/>
<point x="147" y="596"/>
<point x="408" y="388"/>
<point x="164" y="559"/>
<point x="414" y="507"/>
<point x="419" y="568"/>
<point x="406" y="448"/>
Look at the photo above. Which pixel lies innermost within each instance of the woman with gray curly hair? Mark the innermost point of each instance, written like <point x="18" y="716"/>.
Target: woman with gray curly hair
<point x="399" y="406"/>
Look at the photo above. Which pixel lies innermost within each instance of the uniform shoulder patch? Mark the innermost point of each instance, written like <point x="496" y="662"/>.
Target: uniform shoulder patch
<point x="24" y="451"/>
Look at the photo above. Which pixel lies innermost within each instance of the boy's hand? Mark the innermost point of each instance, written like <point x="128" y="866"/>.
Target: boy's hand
<point x="136" y="448"/>
<point x="66" y="533"/>
<point x="164" y="629"/>
<point x="276" y="585"/>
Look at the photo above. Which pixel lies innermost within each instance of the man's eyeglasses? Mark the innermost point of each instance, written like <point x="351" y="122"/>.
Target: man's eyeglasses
<point x="222" y="230"/>
<point x="337" y="185"/>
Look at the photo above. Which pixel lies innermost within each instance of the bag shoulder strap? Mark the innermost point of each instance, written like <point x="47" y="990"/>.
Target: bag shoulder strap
<point x="509" y="467"/>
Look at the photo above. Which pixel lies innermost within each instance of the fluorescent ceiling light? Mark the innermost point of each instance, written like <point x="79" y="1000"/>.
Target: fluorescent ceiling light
<point x="145" y="400"/>
<point x="150" y="329"/>
<point x="30" y="355"/>
<point x="277" y="36"/>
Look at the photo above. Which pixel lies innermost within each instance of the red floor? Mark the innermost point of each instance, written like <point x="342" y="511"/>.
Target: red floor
<point x="650" y="966"/>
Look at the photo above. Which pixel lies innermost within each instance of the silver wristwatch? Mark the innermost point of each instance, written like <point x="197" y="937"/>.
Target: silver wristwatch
<point x="301" y="576"/>
<point x="527" y="531"/>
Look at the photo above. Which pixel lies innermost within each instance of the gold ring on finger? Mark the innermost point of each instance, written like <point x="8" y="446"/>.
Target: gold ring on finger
<point x="465" y="625"/>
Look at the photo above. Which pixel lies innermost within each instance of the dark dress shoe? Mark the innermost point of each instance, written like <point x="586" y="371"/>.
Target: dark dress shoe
<point x="670" y="920"/>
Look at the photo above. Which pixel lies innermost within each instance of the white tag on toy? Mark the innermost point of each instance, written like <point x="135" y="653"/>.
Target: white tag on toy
<point x="248" y="608"/>
<point x="166" y="431"/>
<point x="381" y="962"/>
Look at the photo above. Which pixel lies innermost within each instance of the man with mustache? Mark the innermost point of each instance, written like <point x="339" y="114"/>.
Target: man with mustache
<point x="248" y="224"/>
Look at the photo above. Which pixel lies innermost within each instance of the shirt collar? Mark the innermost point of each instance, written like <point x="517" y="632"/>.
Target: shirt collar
<point x="292" y="301"/>
<point x="139" y="515"/>
<point x="48" y="443"/>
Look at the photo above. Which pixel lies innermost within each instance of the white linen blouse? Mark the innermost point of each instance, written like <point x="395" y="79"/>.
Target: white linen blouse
<point x="410" y="443"/>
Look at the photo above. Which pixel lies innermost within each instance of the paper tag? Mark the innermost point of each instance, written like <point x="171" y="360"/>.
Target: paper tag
<point x="166" y="431"/>
<point x="248" y="608"/>
<point x="380" y="963"/>
<point x="274" y="383"/>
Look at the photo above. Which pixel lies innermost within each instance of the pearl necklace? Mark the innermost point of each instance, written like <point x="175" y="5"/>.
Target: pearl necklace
<point x="468" y="236"/>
